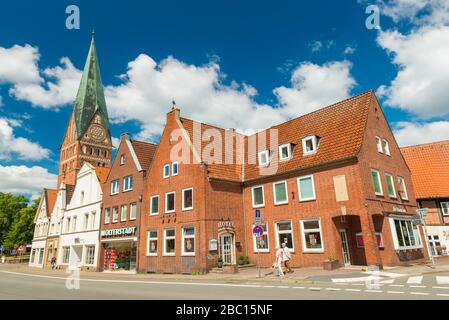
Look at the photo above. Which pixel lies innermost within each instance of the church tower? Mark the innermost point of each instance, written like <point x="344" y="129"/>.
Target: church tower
<point x="88" y="136"/>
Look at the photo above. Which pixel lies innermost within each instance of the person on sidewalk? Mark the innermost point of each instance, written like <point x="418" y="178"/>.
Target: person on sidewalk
<point x="277" y="265"/>
<point x="53" y="263"/>
<point x="286" y="256"/>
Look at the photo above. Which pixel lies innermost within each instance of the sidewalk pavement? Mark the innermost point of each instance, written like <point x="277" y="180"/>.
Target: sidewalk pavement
<point x="246" y="275"/>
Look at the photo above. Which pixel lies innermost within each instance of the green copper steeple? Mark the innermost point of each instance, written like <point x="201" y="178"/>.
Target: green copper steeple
<point x="90" y="97"/>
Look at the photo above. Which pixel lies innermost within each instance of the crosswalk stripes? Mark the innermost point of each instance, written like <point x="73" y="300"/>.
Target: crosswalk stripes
<point x="415" y="280"/>
<point x="443" y="280"/>
<point x="412" y="281"/>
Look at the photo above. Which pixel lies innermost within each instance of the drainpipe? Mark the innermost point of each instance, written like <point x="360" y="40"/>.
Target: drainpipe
<point x="138" y="233"/>
<point x="243" y="203"/>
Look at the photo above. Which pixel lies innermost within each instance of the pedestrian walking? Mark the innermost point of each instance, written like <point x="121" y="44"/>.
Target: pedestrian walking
<point x="277" y="265"/>
<point x="53" y="263"/>
<point x="286" y="256"/>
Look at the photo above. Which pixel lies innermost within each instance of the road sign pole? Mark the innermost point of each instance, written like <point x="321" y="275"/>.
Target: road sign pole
<point x="427" y="243"/>
<point x="258" y="262"/>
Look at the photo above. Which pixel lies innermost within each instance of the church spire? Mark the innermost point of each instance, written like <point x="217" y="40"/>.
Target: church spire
<point x="90" y="97"/>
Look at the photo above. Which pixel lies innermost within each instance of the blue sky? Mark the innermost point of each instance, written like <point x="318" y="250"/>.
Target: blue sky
<point x="268" y="60"/>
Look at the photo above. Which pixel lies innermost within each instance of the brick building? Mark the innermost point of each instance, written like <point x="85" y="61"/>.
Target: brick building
<point x="332" y="183"/>
<point x="429" y="164"/>
<point x="122" y="204"/>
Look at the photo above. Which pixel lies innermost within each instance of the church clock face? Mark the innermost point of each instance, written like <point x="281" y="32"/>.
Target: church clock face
<point x="97" y="133"/>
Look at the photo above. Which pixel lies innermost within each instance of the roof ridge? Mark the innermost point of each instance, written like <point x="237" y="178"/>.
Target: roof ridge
<point x="149" y="143"/>
<point x="426" y="144"/>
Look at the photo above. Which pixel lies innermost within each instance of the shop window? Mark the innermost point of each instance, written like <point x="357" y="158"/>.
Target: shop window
<point x="90" y="255"/>
<point x="405" y="234"/>
<point x="115" y="187"/>
<point x="132" y="211"/>
<point x="258" y="197"/>
<point x="128" y="184"/>
<point x="169" y="242"/>
<point x="285" y="152"/>
<point x="187" y="199"/>
<point x="306" y="187"/>
<point x="312" y="237"/>
<point x="174" y="170"/>
<point x="445" y="208"/>
<point x="402" y="189"/>
<point x="390" y="185"/>
<point x="152" y="243"/>
<point x="124" y="211"/>
<point x="115" y="214"/>
<point x="285" y="234"/>
<point x="280" y="193"/>
<point x="310" y="145"/>
<point x="166" y="171"/>
<point x="188" y="241"/>
<point x="261" y="244"/>
<point x="65" y="255"/>
<point x="154" y="205"/>
<point x="107" y="216"/>
<point x="375" y="175"/>
<point x="170" y="202"/>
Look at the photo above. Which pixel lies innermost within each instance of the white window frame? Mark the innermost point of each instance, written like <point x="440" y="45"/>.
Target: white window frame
<point x="164" y="252"/>
<point x="395" y="236"/>
<point x="149" y="238"/>
<point x="92" y="220"/>
<point x="301" y="199"/>
<point x="379" y="145"/>
<point x="121" y="213"/>
<point x="292" y="250"/>
<point x="286" y="193"/>
<point x="86" y="221"/>
<point x="390" y="176"/>
<point x="122" y="159"/>
<point x="158" y="205"/>
<point x="263" y="197"/>
<point x="107" y="217"/>
<point x="386" y="147"/>
<point x="114" y="219"/>
<point x="445" y="211"/>
<point x="124" y="183"/>
<point x="183" y="237"/>
<point x="265" y="233"/>
<point x="174" y="202"/>
<point x="164" y="173"/>
<point x="289" y="151"/>
<point x="66" y="250"/>
<point x="184" y="208"/>
<point x="303" y="235"/>
<point x="314" y="145"/>
<point x="173" y="169"/>
<point x="381" y="193"/>
<point x="112" y="187"/>
<point x="132" y="218"/>
<point x="267" y="154"/>
<point x="401" y="183"/>
<point x="93" y="255"/>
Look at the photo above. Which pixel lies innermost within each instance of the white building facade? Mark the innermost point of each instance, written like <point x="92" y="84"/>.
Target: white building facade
<point x="79" y="240"/>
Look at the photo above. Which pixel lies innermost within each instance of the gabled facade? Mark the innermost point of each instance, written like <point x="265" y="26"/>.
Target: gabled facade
<point x="42" y="222"/>
<point x="429" y="164"/>
<point x="79" y="239"/>
<point x="122" y="205"/>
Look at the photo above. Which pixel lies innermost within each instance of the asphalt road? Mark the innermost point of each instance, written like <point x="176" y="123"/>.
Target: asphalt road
<point x="37" y="287"/>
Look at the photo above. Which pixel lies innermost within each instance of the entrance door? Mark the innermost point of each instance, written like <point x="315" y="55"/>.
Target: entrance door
<point x="345" y="247"/>
<point x="227" y="249"/>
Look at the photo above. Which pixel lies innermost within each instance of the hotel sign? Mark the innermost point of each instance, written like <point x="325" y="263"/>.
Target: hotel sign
<point x="118" y="232"/>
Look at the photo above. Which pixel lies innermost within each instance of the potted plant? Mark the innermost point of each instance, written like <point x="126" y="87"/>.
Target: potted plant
<point x="331" y="264"/>
<point x="220" y="262"/>
<point x="241" y="261"/>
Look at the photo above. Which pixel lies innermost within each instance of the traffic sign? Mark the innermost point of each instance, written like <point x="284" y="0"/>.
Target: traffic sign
<point x="258" y="231"/>
<point x="258" y="220"/>
<point x="423" y="212"/>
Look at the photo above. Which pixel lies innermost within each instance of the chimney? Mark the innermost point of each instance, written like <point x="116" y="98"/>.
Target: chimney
<point x="175" y="113"/>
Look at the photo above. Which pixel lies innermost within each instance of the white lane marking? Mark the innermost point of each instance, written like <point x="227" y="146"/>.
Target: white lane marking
<point x="387" y="281"/>
<point x="315" y="289"/>
<point x="360" y="279"/>
<point x="415" y="280"/>
<point x="419" y="293"/>
<point x="445" y="288"/>
<point x="269" y="286"/>
<point x="397" y="285"/>
<point x="353" y="290"/>
<point x="443" y="295"/>
<point x="386" y="274"/>
<point x="141" y="282"/>
<point x="374" y="291"/>
<point x="395" y="292"/>
<point x="333" y="289"/>
<point x="417" y="286"/>
<point x="298" y="287"/>
<point x="283" y="287"/>
<point x="443" y="280"/>
<point x="358" y="284"/>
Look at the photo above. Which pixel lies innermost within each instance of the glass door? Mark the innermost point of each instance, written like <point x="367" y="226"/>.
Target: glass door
<point x="227" y="249"/>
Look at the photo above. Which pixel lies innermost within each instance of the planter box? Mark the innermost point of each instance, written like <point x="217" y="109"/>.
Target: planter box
<point x="331" y="265"/>
<point x="230" y="269"/>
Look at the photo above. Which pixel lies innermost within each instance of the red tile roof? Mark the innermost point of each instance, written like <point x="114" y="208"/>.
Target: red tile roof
<point x="429" y="164"/>
<point x="102" y="174"/>
<point x="145" y="152"/>
<point x="50" y="196"/>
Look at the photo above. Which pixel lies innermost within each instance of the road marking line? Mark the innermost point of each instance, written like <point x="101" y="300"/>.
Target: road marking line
<point x="315" y="289"/>
<point x="447" y="288"/>
<point x="443" y="295"/>
<point x="298" y="287"/>
<point x="415" y="280"/>
<point x="283" y="287"/>
<point x="417" y="286"/>
<point x="374" y="291"/>
<point x="395" y="292"/>
<point x="419" y="293"/>
<point x="333" y="289"/>
<point x="353" y="290"/>
<point x="443" y="280"/>
<point x="269" y="286"/>
<point x="357" y="284"/>
<point x="396" y="285"/>
<point x="387" y="281"/>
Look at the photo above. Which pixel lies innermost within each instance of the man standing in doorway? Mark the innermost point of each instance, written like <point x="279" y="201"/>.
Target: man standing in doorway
<point x="286" y="258"/>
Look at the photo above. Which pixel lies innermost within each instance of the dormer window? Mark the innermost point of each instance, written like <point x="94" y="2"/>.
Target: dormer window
<point x="285" y="152"/>
<point x="264" y="158"/>
<point x="310" y="145"/>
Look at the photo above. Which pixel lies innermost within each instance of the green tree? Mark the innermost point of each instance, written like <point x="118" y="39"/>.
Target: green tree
<point x="21" y="230"/>
<point x="10" y="206"/>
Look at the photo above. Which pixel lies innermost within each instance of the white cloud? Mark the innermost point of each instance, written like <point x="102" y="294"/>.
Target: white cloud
<point x="10" y="145"/>
<point x="315" y="46"/>
<point x="410" y="133"/>
<point x="315" y="86"/>
<point x="115" y="142"/>
<point x="25" y="180"/>
<point x="19" y="64"/>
